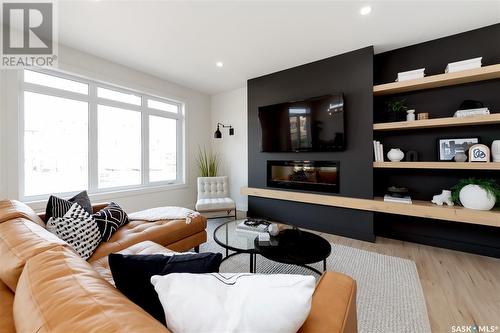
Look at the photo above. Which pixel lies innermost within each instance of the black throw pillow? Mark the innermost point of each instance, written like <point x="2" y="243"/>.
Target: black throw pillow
<point x="132" y="274"/>
<point x="57" y="207"/>
<point x="109" y="219"/>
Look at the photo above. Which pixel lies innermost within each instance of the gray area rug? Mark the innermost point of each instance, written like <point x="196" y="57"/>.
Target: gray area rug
<point x="389" y="299"/>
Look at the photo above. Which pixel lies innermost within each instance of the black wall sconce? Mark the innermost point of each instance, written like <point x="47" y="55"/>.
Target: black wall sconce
<point x="218" y="133"/>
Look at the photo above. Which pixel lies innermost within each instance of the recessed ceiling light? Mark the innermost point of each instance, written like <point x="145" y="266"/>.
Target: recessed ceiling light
<point x="365" y="10"/>
<point x="219" y="64"/>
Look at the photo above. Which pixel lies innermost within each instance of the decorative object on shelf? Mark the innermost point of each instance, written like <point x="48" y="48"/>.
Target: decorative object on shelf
<point x="395" y="155"/>
<point x="447" y="147"/>
<point x="378" y="151"/>
<point x="411" y="75"/>
<point x="218" y="133"/>
<point x="398" y="194"/>
<point x="423" y="116"/>
<point x="273" y="229"/>
<point x="495" y="150"/>
<point x="470" y="108"/>
<point x="444" y="197"/>
<point x="478" y="194"/>
<point x="398" y="191"/>
<point x="479" y="153"/>
<point x="460" y="156"/>
<point x="208" y="163"/>
<point x="410" y="116"/>
<point x="396" y="110"/>
<point x="412" y="156"/>
<point x="463" y="65"/>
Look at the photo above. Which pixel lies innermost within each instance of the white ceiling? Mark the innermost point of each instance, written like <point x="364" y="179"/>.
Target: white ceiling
<point x="181" y="41"/>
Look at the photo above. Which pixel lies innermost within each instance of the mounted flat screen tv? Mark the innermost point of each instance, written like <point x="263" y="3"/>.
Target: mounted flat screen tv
<point x="314" y="124"/>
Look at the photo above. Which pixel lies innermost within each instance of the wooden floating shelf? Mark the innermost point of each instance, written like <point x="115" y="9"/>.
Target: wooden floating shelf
<point x="439" y="165"/>
<point x="439" y="122"/>
<point x="422" y="209"/>
<point x="440" y="80"/>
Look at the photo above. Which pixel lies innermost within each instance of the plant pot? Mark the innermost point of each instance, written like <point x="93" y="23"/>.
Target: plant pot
<point x="475" y="197"/>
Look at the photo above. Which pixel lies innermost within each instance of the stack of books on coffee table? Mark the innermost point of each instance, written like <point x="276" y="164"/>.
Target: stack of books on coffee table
<point x="253" y="225"/>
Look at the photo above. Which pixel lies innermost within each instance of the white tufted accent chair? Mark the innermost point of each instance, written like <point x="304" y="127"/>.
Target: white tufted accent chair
<point x="213" y="195"/>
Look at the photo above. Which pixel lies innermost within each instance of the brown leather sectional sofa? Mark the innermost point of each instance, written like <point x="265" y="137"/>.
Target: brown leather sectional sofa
<point x="46" y="287"/>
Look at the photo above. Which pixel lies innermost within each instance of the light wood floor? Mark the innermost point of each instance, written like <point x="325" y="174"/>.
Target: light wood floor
<point x="459" y="288"/>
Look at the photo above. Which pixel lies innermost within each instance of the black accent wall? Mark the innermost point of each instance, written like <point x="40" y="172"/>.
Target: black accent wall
<point x="441" y="102"/>
<point x="351" y="74"/>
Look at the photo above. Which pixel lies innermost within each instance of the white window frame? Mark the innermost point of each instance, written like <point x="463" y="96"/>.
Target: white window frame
<point x="93" y="102"/>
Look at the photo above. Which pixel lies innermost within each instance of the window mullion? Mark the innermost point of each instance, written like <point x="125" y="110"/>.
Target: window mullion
<point x="145" y="143"/>
<point x="93" y="140"/>
<point x="180" y="153"/>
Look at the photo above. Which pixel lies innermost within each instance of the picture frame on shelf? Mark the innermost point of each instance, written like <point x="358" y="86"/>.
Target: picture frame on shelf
<point x="448" y="147"/>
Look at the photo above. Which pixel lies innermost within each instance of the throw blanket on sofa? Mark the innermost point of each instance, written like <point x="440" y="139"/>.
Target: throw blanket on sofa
<point x="164" y="213"/>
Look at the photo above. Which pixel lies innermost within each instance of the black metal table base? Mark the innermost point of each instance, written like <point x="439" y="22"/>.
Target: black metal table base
<point x="253" y="262"/>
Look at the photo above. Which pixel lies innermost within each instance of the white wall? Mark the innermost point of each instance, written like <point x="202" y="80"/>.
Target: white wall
<point x="196" y="132"/>
<point x="230" y="108"/>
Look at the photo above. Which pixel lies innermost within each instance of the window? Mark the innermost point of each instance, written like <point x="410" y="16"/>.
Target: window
<point x="162" y="148"/>
<point x="81" y="134"/>
<point x="119" y="142"/>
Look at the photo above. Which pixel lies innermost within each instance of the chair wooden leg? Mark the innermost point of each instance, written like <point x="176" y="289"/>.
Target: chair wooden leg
<point x="197" y="249"/>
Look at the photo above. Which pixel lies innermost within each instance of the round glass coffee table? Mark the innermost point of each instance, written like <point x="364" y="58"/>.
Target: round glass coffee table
<point x="290" y="246"/>
<point x="231" y="239"/>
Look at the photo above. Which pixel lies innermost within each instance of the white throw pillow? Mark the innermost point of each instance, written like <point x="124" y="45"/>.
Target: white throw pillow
<point x="232" y="302"/>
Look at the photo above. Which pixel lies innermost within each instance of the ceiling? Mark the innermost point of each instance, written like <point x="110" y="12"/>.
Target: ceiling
<point x="182" y="41"/>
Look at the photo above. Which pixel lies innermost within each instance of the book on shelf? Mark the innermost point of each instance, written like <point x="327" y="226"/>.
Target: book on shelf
<point x="403" y="200"/>
<point x="378" y="151"/>
<point x="463" y="65"/>
<point x="472" y="112"/>
<point x="256" y="226"/>
<point x="411" y="75"/>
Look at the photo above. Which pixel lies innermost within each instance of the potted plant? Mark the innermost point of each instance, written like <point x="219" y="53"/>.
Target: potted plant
<point x="479" y="194"/>
<point x="208" y="163"/>
<point x="396" y="110"/>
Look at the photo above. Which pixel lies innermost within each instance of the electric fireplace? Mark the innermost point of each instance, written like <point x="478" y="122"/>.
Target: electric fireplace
<point x="322" y="176"/>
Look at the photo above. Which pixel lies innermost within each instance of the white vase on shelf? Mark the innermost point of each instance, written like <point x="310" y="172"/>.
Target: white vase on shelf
<point x="475" y="197"/>
<point x="410" y="115"/>
<point x="495" y="150"/>
<point x="395" y="155"/>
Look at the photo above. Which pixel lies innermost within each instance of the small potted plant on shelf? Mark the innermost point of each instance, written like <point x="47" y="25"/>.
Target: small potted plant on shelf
<point x="396" y="110"/>
<point x="479" y="194"/>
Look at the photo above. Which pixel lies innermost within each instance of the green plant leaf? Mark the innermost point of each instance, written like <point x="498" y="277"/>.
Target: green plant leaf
<point x="208" y="163"/>
<point x="489" y="185"/>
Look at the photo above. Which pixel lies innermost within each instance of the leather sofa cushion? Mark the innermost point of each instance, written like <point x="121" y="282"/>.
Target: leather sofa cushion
<point x="6" y="302"/>
<point x="102" y="265"/>
<point x="21" y="239"/>
<point x="333" y="307"/>
<point x="163" y="232"/>
<point x="60" y="292"/>
<point x="11" y="209"/>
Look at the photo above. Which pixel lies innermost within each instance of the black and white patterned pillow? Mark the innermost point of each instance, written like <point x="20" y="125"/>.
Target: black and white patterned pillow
<point x="78" y="229"/>
<point x="110" y="219"/>
<point x="57" y="207"/>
